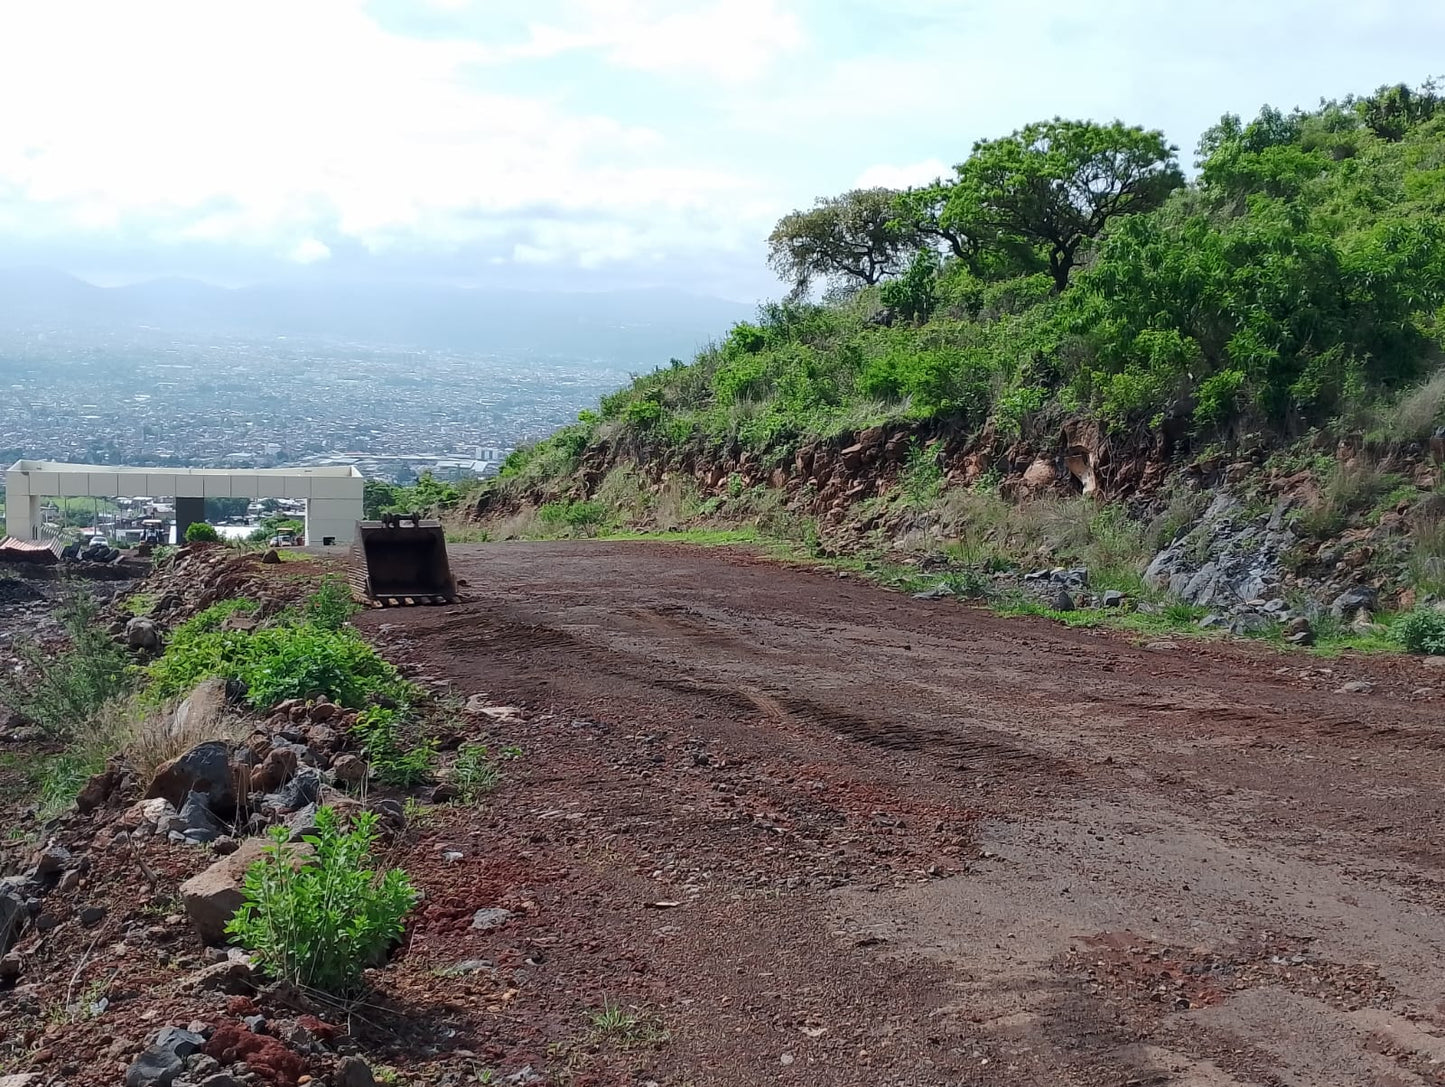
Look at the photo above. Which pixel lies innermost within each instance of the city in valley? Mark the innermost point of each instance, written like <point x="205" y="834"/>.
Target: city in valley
<point x="154" y="400"/>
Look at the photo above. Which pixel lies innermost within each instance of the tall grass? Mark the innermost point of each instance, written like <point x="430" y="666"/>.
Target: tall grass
<point x="1418" y="411"/>
<point x="1349" y="487"/>
<point x="1426" y="565"/>
<point x="63" y="693"/>
<point x="994" y="534"/>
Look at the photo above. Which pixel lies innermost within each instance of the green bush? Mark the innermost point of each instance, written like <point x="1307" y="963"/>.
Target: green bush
<point x="61" y="694"/>
<point x="922" y="476"/>
<point x="201" y="532"/>
<point x="331" y="605"/>
<point x="318" y="921"/>
<point x="577" y="515"/>
<point x="1421" y="631"/>
<point x="400" y="756"/>
<point x="293" y="659"/>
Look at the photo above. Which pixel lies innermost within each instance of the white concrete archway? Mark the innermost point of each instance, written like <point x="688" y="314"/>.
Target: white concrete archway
<point x="332" y="494"/>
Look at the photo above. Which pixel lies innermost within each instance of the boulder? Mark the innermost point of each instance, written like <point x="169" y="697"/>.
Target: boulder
<point x="205" y="768"/>
<point x="155" y="1067"/>
<point x="301" y="790"/>
<point x="12" y="917"/>
<point x="1361" y="597"/>
<point x="1113" y="598"/>
<point x="349" y="770"/>
<point x="164" y="1060"/>
<point x="354" y="1072"/>
<point x="142" y="633"/>
<point x="196" y="822"/>
<point x="98" y="789"/>
<point x="275" y="770"/>
<point x="1062" y="601"/>
<point x="212" y="898"/>
<point x="200" y="712"/>
<point x="1249" y="623"/>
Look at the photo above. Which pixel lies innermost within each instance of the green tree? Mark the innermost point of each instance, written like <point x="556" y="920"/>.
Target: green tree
<point x="226" y="509"/>
<point x="378" y="497"/>
<point x="1056" y="185"/>
<point x="855" y="237"/>
<point x="201" y="532"/>
<point x="914" y="295"/>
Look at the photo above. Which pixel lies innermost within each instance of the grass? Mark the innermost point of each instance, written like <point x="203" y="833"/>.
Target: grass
<point x="139" y="603"/>
<point x="1425" y="567"/>
<point x="1348" y="488"/>
<point x="52" y="780"/>
<point x="1418" y="411"/>
<point x="477" y="772"/>
<point x="63" y="694"/>
<point x="625" y="1029"/>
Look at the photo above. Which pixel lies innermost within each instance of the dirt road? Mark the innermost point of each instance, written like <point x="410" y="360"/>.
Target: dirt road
<point x="811" y="832"/>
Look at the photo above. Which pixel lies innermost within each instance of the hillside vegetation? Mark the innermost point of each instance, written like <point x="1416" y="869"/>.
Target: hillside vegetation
<point x="1298" y="281"/>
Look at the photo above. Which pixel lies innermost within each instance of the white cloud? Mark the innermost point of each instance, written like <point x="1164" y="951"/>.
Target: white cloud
<point x="884" y="175"/>
<point x="730" y="40"/>
<point x="288" y="127"/>
<point x="310" y="250"/>
<point x="556" y="135"/>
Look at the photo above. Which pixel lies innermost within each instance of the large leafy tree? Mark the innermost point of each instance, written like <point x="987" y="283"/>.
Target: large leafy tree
<point x="1056" y="185"/>
<point x="854" y="238"/>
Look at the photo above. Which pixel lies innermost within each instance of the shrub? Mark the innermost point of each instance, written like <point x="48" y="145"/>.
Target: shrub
<point x="399" y="755"/>
<point x="576" y="515"/>
<point x="1421" y="631"/>
<point x="319" y="921"/>
<point x="922" y="476"/>
<point x="331" y="605"/>
<point x="62" y="694"/>
<point x="202" y="532"/>
<point x="290" y="660"/>
<point x="1349" y="488"/>
<point x="1418" y="411"/>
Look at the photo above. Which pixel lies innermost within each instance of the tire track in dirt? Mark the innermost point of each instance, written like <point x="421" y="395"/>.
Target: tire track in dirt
<point x="995" y="801"/>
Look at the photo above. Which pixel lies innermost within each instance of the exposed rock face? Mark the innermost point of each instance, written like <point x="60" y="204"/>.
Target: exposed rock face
<point x="1227" y="559"/>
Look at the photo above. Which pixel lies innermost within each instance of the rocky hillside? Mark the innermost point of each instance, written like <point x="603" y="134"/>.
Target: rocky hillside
<point x="1007" y="393"/>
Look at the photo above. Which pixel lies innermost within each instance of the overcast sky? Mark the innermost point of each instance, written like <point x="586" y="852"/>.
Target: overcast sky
<point x="585" y="143"/>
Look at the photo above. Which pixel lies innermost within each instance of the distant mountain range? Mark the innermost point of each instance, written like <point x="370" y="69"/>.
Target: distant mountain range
<point x="639" y="329"/>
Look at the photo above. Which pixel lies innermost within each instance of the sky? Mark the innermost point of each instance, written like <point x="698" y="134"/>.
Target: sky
<point x="586" y="144"/>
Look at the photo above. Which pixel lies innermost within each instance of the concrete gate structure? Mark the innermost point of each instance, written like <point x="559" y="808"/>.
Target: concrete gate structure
<point x="332" y="494"/>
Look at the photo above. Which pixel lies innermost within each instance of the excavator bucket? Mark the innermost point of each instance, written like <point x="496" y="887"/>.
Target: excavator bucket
<point x="401" y="559"/>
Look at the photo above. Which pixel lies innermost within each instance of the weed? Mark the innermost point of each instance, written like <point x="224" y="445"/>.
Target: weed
<point x="624" y="1028"/>
<point x="1418" y="411"/>
<point x="1426" y="564"/>
<point x="318" y="921"/>
<point x="331" y="605"/>
<point x="922" y="476"/>
<point x="139" y="603"/>
<point x="1421" y="631"/>
<point x="476" y="773"/>
<point x="288" y="660"/>
<point x="62" y="694"/>
<point x="1349" y="487"/>
<point x="398" y="755"/>
<point x="579" y="516"/>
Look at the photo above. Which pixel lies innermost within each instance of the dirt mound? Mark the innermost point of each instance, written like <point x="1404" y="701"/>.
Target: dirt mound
<point x="15" y="591"/>
<point x="200" y="575"/>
